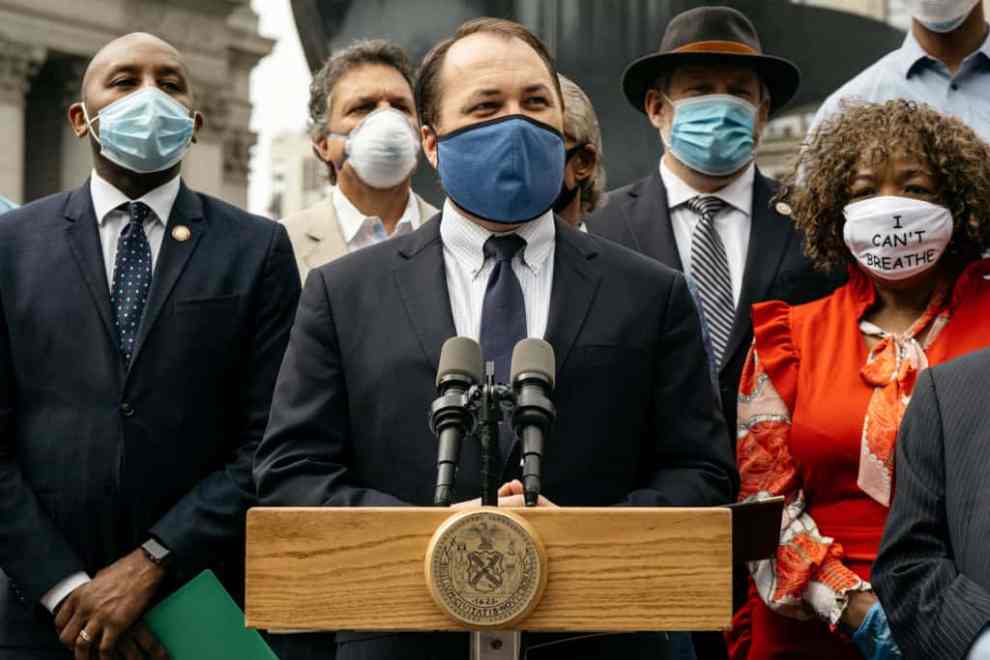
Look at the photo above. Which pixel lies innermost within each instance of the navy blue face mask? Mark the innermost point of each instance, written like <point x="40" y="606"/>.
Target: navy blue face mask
<point x="506" y="170"/>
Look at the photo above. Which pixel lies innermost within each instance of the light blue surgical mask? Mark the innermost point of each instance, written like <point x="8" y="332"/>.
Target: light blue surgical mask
<point x="506" y="170"/>
<point x="713" y="134"/>
<point x="146" y="131"/>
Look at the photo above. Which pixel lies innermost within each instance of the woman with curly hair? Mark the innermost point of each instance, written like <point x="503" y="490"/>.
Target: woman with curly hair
<point x="900" y="195"/>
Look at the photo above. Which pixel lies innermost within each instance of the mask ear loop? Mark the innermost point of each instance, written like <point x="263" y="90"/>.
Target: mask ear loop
<point x="330" y="163"/>
<point x="673" y="109"/>
<point x="89" y="123"/>
<point x="436" y="136"/>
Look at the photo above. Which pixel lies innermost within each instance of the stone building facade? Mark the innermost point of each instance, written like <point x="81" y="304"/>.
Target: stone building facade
<point x="45" y="46"/>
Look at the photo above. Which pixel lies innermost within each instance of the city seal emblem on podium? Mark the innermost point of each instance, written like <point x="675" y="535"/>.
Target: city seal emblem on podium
<point x="486" y="568"/>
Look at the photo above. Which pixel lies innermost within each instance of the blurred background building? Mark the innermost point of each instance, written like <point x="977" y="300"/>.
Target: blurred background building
<point x="593" y="41"/>
<point x="45" y="46"/>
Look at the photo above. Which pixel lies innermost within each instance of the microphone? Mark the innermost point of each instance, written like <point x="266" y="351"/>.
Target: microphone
<point x="532" y="381"/>
<point x="460" y="368"/>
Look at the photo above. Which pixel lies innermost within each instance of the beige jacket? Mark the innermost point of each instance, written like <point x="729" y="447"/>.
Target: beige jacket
<point x="316" y="236"/>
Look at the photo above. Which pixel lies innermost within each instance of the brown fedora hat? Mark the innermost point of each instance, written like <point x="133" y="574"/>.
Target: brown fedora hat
<point x="706" y="34"/>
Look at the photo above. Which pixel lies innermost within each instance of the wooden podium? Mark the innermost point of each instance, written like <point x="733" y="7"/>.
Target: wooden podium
<point x="606" y="569"/>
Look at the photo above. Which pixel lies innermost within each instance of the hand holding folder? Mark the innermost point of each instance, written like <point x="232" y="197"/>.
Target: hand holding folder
<point x="201" y="621"/>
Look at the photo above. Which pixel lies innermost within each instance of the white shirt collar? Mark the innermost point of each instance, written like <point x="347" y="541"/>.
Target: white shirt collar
<point x="351" y="219"/>
<point x="106" y="198"/>
<point x="466" y="239"/>
<point x="738" y="194"/>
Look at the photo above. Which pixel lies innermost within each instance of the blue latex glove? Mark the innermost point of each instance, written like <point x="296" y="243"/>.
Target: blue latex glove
<point x="873" y="638"/>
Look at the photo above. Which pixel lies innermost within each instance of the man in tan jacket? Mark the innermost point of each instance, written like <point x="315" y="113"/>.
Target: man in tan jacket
<point x="365" y="128"/>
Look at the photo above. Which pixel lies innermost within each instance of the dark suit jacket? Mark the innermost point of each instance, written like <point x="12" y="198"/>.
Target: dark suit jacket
<point x="95" y="456"/>
<point x="776" y="269"/>
<point x="933" y="571"/>
<point x="636" y="425"/>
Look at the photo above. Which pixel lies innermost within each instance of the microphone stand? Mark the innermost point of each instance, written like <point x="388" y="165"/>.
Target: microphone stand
<point x="489" y="412"/>
<point x="492" y="401"/>
<point x="488" y="403"/>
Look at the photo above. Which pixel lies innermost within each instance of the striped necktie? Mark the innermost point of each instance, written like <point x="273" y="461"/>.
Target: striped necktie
<point x="710" y="272"/>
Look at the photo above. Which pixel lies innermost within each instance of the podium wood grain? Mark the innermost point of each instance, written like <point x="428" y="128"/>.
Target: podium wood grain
<point x="611" y="569"/>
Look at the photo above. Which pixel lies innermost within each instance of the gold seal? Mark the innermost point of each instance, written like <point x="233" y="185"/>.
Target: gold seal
<point x="486" y="568"/>
<point x="784" y="208"/>
<point x="181" y="233"/>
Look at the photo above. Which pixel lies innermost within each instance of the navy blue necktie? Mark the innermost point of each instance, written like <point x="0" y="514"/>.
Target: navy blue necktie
<point x="131" y="279"/>
<point x="503" y="317"/>
<point x="503" y="314"/>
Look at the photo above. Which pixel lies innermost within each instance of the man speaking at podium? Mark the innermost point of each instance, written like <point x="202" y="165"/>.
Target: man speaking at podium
<point x="637" y="421"/>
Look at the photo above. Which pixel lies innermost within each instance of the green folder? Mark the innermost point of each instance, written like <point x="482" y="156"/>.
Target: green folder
<point x="201" y="621"/>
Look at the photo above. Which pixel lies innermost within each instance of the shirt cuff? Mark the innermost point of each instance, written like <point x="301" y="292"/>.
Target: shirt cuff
<point x="61" y="591"/>
<point x="980" y="650"/>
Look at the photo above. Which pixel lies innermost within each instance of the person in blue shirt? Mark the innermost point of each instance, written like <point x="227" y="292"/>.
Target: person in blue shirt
<point x="6" y="205"/>
<point x="944" y="62"/>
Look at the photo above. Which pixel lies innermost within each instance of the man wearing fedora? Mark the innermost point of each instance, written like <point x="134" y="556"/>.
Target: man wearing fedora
<point x="707" y="210"/>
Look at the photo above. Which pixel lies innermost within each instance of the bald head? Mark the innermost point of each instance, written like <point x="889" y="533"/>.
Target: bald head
<point x="131" y="51"/>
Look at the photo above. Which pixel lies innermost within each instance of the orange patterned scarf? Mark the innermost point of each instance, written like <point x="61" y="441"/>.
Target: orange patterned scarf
<point x="892" y="369"/>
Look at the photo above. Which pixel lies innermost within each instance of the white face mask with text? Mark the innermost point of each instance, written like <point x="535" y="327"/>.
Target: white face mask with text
<point x="895" y="238"/>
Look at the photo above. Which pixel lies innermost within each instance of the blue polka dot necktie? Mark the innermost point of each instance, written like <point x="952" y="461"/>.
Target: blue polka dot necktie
<point x="131" y="279"/>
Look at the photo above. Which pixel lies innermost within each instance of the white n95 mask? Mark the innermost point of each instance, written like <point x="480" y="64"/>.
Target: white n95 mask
<point x="382" y="149"/>
<point x="896" y="237"/>
<point x="941" y="15"/>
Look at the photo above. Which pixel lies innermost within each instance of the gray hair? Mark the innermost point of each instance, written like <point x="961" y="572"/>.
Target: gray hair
<point x="581" y="125"/>
<point x="358" y="53"/>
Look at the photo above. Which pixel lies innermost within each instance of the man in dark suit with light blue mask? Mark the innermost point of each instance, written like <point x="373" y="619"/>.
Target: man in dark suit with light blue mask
<point x="637" y="423"/>
<point x="706" y="209"/>
<point x="141" y="329"/>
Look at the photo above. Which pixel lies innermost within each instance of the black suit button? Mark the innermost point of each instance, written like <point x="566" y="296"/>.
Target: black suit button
<point x="126" y="410"/>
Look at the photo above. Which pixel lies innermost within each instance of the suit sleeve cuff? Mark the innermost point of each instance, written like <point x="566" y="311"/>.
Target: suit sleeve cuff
<point x="54" y="596"/>
<point x="980" y="650"/>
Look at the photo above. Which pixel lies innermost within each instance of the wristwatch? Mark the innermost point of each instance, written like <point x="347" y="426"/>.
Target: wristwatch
<point x="156" y="552"/>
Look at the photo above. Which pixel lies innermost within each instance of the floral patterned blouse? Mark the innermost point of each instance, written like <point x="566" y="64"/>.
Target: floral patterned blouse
<point x="818" y="419"/>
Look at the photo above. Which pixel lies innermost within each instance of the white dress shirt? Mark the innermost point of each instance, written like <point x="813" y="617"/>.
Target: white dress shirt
<point x="732" y="224"/>
<point x="360" y="230"/>
<point x="468" y="270"/>
<point x="111" y="220"/>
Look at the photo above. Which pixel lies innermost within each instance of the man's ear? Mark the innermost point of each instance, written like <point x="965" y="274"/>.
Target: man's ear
<point x="324" y="152"/>
<point x="654" y="106"/>
<point x="586" y="162"/>
<point x="199" y="121"/>
<point x="321" y="147"/>
<point x="77" y="119"/>
<point x="429" y="139"/>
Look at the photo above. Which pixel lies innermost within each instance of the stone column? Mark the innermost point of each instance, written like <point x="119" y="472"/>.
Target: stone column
<point x="236" y="164"/>
<point x="18" y="63"/>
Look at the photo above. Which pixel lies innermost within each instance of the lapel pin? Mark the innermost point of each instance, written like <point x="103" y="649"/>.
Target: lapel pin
<point x="784" y="208"/>
<point x="181" y="233"/>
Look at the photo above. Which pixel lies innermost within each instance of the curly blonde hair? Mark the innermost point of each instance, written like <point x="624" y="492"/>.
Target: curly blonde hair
<point x="872" y="133"/>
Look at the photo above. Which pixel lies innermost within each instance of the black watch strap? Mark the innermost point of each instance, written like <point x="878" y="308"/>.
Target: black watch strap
<point x="156" y="552"/>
